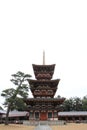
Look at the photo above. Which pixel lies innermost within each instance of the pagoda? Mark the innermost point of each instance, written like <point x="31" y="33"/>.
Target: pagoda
<point x="43" y="105"/>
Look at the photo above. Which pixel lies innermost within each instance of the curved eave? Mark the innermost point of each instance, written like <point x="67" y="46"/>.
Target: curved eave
<point x="43" y="81"/>
<point x="43" y="88"/>
<point x="55" y="80"/>
<point x="41" y="100"/>
<point x="50" y="83"/>
<point x="39" y="95"/>
<point x="48" y="68"/>
<point x="34" y="65"/>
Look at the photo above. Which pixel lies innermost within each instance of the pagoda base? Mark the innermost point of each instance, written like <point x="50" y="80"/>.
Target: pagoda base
<point x="43" y="115"/>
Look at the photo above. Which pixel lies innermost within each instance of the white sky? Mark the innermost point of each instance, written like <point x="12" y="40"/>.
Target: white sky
<point x="27" y="27"/>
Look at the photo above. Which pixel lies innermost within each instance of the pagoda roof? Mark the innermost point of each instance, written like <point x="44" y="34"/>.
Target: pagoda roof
<point x="43" y="92"/>
<point x="43" y="88"/>
<point x="47" y="100"/>
<point x="50" y="83"/>
<point x="44" y="103"/>
<point x="43" y="68"/>
<point x="43" y="71"/>
<point x="35" y="65"/>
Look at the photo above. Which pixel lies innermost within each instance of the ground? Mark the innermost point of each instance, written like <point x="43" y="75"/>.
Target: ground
<point x="71" y="126"/>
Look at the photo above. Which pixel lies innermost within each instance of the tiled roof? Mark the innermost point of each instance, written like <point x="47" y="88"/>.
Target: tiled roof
<point x="2" y="112"/>
<point x="62" y="114"/>
<point x="73" y="113"/>
<point x="17" y="113"/>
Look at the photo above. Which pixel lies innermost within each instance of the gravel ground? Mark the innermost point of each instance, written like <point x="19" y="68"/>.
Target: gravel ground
<point x="71" y="126"/>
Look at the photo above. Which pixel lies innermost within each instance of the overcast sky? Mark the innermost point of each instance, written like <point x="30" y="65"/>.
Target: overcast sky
<point x="27" y="27"/>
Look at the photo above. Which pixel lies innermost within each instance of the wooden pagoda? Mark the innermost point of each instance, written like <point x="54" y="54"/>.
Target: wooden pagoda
<point x="43" y="105"/>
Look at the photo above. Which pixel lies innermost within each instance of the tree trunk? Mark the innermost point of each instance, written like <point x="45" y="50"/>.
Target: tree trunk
<point x="7" y="114"/>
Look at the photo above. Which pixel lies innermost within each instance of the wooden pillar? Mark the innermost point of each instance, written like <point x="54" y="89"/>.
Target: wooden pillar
<point x="33" y="115"/>
<point x="73" y="118"/>
<point x="80" y="118"/>
<point x="53" y="114"/>
<point x="57" y="115"/>
<point x="66" y="118"/>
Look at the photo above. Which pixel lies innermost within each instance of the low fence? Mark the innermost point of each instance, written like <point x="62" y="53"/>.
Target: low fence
<point x="35" y="123"/>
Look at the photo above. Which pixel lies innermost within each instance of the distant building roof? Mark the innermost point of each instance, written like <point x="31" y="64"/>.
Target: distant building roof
<point x="2" y="112"/>
<point x="60" y="114"/>
<point x="17" y="114"/>
<point x="73" y="113"/>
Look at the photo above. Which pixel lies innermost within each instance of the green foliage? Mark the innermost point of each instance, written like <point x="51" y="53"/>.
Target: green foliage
<point x="7" y="93"/>
<point x="1" y="108"/>
<point x="12" y="100"/>
<point x="68" y="105"/>
<point x="75" y="104"/>
<point x="84" y="103"/>
<point x="22" y="88"/>
<point x="19" y="105"/>
<point x="19" y="77"/>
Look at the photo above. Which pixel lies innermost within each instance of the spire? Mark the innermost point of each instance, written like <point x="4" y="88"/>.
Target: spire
<point x="43" y="57"/>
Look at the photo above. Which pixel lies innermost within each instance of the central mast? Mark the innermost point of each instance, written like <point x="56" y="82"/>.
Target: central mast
<point x="43" y="57"/>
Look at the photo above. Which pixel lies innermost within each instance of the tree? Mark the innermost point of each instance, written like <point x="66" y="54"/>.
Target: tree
<point x="84" y="103"/>
<point x="68" y="105"/>
<point x="11" y="95"/>
<point x="72" y="104"/>
<point x="1" y="108"/>
<point x="77" y="104"/>
<point x="19" y="105"/>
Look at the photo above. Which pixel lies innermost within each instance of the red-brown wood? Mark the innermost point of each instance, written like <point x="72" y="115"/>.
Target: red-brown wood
<point x="43" y="116"/>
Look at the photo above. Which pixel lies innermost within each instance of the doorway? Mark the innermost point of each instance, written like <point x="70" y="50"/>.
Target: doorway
<point x="43" y="116"/>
